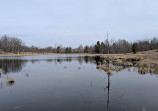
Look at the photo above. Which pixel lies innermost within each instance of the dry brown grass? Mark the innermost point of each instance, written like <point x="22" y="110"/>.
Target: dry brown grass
<point x="22" y="54"/>
<point x="10" y="79"/>
<point x="155" y="71"/>
<point x="147" y="61"/>
<point x="143" y="70"/>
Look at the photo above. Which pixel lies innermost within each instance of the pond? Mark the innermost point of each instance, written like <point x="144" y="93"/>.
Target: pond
<point x="73" y="83"/>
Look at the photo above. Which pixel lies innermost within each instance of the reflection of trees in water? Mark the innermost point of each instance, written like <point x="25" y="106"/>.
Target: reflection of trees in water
<point x="60" y="60"/>
<point x="12" y="65"/>
<point x="85" y="59"/>
<point x="16" y="65"/>
<point x="80" y="59"/>
<point x="33" y="61"/>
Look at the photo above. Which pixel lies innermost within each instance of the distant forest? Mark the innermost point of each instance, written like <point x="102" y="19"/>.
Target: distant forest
<point x="16" y="45"/>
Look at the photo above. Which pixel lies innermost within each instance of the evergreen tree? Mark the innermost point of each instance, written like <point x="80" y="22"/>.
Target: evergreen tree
<point x="68" y="50"/>
<point x="97" y="47"/>
<point x="86" y="50"/>
<point x="58" y="49"/>
<point x="135" y="48"/>
<point x="102" y="48"/>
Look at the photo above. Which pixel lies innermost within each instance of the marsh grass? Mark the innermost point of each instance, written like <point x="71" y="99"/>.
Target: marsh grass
<point x="146" y="62"/>
<point x="10" y="80"/>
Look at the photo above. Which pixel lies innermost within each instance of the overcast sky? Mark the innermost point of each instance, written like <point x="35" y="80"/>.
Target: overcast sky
<point x="73" y="22"/>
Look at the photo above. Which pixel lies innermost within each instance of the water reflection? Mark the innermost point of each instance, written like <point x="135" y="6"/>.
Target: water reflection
<point x="108" y="94"/>
<point x="65" y="82"/>
<point x="16" y="65"/>
<point x="109" y="67"/>
<point x="1" y="84"/>
<point x="11" y="65"/>
<point x="108" y="84"/>
<point x="10" y="83"/>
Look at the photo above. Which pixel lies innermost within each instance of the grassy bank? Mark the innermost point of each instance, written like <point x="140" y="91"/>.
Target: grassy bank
<point x="153" y="55"/>
<point x="146" y="62"/>
<point x="21" y="54"/>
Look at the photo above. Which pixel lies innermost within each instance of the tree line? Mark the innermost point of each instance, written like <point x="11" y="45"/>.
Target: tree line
<point x="124" y="46"/>
<point x="16" y="45"/>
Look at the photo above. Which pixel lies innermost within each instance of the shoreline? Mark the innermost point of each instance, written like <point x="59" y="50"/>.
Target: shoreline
<point x="146" y="61"/>
<point x="17" y="55"/>
<point x="150" y="54"/>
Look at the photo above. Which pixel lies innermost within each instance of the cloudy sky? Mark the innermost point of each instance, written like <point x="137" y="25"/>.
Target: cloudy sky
<point x="73" y="22"/>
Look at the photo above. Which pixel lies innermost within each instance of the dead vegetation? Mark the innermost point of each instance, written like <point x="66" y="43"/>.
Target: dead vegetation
<point x="146" y="62"/>
<point x="155" y="71"/>
<point x="10" y="80"/>
<point x="143" y="70"/>
<point x="20" y="54"/>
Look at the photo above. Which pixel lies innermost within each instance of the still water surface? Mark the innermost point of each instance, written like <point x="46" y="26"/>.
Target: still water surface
<point x="72" y="83"/>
